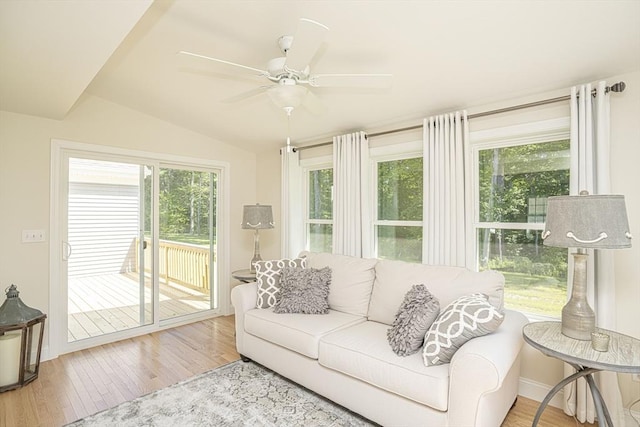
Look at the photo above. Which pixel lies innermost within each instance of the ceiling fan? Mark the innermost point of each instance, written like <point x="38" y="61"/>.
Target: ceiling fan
<point x="291" y="74"/>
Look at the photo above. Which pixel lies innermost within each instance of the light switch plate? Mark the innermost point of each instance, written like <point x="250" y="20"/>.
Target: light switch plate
<point x="32" y="236"/>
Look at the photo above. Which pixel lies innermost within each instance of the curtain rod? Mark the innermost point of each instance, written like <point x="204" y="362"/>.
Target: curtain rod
<point x="618" y="87"/>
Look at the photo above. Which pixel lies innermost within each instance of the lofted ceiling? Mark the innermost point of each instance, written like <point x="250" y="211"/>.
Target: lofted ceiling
<point x="443" y="55"/>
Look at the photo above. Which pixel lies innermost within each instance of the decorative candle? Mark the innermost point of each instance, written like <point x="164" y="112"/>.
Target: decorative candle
<point x="9" y="358"/>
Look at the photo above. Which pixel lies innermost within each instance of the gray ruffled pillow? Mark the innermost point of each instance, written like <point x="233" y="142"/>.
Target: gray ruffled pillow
<point x="414" y="317"/>
<point x="304" y="290"/>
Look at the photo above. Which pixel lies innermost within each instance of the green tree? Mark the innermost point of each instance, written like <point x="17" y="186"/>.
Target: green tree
<point x="187" y="201"/>
<point x="400" y="190"/>
<point x="514" y="185"/>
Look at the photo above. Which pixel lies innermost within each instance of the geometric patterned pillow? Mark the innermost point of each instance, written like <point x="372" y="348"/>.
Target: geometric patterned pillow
<point x="467" y="317"/>
<point x="268" y="279"/>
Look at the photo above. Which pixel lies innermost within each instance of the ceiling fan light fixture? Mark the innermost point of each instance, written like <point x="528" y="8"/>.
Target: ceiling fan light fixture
<point x="287" y="96"/>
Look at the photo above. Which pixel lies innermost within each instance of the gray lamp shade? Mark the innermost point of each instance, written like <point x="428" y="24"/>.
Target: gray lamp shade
<point x="587" y="221"/>
<point x="257" y="217"/>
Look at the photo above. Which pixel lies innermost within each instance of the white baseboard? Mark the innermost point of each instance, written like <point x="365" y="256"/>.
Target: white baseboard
<point x="537" y="391"/>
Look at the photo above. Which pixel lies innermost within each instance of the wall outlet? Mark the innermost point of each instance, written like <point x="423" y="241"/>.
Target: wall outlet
<point x="32" y="236"/>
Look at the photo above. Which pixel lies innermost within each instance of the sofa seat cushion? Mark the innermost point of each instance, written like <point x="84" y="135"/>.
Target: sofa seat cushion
<point x="362" y="351"/>
<point x="298" y="332"/>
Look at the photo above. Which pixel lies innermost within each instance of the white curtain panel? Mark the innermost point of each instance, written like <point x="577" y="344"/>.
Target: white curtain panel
<point x="292" y="226"/>
<point x="350" y="194"/>
<point x="590" y="170"/>
<point x="445" y="138"/>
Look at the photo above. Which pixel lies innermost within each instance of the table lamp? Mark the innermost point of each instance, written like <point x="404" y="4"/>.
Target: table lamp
<point x="583" y="222"/>
<point x="256" y="217"/>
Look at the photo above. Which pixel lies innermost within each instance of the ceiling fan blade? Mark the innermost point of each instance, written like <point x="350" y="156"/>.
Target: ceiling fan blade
<point x="313" y="104"/>
<point x="222" y="61"/>
<point x="351" y="80"/>
<point x="245" y="95"/>
<point x="306" y="42"/>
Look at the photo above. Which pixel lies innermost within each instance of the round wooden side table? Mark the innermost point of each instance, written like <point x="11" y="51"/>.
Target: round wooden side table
<point x="623" y="355"/>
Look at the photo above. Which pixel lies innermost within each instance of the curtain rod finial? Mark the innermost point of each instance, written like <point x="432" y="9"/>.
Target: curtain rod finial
<point x="618" y="87"/>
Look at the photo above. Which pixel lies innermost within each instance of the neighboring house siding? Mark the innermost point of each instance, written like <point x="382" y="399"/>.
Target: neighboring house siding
<point x="103" y="225"/>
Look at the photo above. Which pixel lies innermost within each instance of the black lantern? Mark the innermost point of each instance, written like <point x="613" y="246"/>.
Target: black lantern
<point x="21" y="332"/>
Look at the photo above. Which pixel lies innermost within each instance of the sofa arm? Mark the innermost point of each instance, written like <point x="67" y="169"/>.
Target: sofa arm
<point x="243" y="297"/>
<point x="479" y="368"/>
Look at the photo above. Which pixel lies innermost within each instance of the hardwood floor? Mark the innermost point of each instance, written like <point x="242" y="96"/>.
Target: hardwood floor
<point x="79" y="384"/>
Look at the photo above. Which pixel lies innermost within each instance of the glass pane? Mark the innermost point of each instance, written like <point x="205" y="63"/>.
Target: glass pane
<point x="320" y="237"/>
<point x="187" y="241"/>
<point x="402" y="243"/>
<point x="320" y="203"/>
<point x="400" y="190"/>
<point x="109" y="283"/>
<point x="536" y="275"/>
<point x="516" y="181"/>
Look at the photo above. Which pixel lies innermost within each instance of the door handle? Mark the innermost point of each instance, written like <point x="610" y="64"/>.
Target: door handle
<point x="66" y="251"/>
<point x="144" y="244"/>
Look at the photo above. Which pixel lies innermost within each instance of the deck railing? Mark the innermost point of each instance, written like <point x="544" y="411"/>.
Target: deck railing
<point x="181" y="263"/>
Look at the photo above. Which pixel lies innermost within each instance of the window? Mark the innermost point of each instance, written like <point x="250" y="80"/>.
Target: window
<point x="514" y="181"/>
<point x="319" y="217"/>
<point x="398" y="219"/>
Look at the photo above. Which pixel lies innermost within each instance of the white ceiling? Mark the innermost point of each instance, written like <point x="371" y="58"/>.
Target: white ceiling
<point x="51" y="50"/>
<point x="444" y="55"/>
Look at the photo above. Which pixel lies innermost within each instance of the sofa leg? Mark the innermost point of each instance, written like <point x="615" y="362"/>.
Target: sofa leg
<point x="245" y="358"/>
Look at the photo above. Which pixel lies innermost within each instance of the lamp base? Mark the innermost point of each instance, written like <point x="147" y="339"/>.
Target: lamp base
<point x="252" y="266"/>
<point x="578" y="325"/>
<point x="256" y="252"/>
<point x="578" y="318"/>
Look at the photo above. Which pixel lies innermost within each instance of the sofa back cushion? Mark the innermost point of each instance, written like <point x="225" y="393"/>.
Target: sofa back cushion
<point x="351" y="280"/>
<point x="393" y="279"/>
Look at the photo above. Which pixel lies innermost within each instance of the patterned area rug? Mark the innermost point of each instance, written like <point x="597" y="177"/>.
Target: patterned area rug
<point x="237" y="394"/>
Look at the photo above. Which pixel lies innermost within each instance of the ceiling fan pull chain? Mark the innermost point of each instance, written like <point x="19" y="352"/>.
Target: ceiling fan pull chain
<point x="288" y="110"/>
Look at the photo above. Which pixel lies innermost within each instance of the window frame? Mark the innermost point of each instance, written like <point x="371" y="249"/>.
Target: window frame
<point x="387" y="153"/>
<point x="510" y="136"/>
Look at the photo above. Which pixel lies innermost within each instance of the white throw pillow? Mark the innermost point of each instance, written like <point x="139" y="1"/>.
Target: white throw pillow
<point x="268" y="279"/>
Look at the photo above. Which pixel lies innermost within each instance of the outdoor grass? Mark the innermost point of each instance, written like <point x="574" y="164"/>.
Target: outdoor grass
<point x="193" y="239"/>
<point x="541" y="295"/>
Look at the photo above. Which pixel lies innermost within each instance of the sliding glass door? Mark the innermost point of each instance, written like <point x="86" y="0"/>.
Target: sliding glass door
<point x="137" y="244"/>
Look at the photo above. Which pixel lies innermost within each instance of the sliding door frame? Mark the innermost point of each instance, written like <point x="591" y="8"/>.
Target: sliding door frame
<point x="58" y="303"/>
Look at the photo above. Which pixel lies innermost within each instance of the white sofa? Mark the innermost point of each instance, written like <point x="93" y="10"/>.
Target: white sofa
<point x="345" y="355"/>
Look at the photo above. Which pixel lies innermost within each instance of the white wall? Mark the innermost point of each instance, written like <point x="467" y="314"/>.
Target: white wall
<point x="540" y="372"/>
<point x="25" y="174"/>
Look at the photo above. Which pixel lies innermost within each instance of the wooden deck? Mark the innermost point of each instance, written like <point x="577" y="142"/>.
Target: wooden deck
<point x="108" y="303"/>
